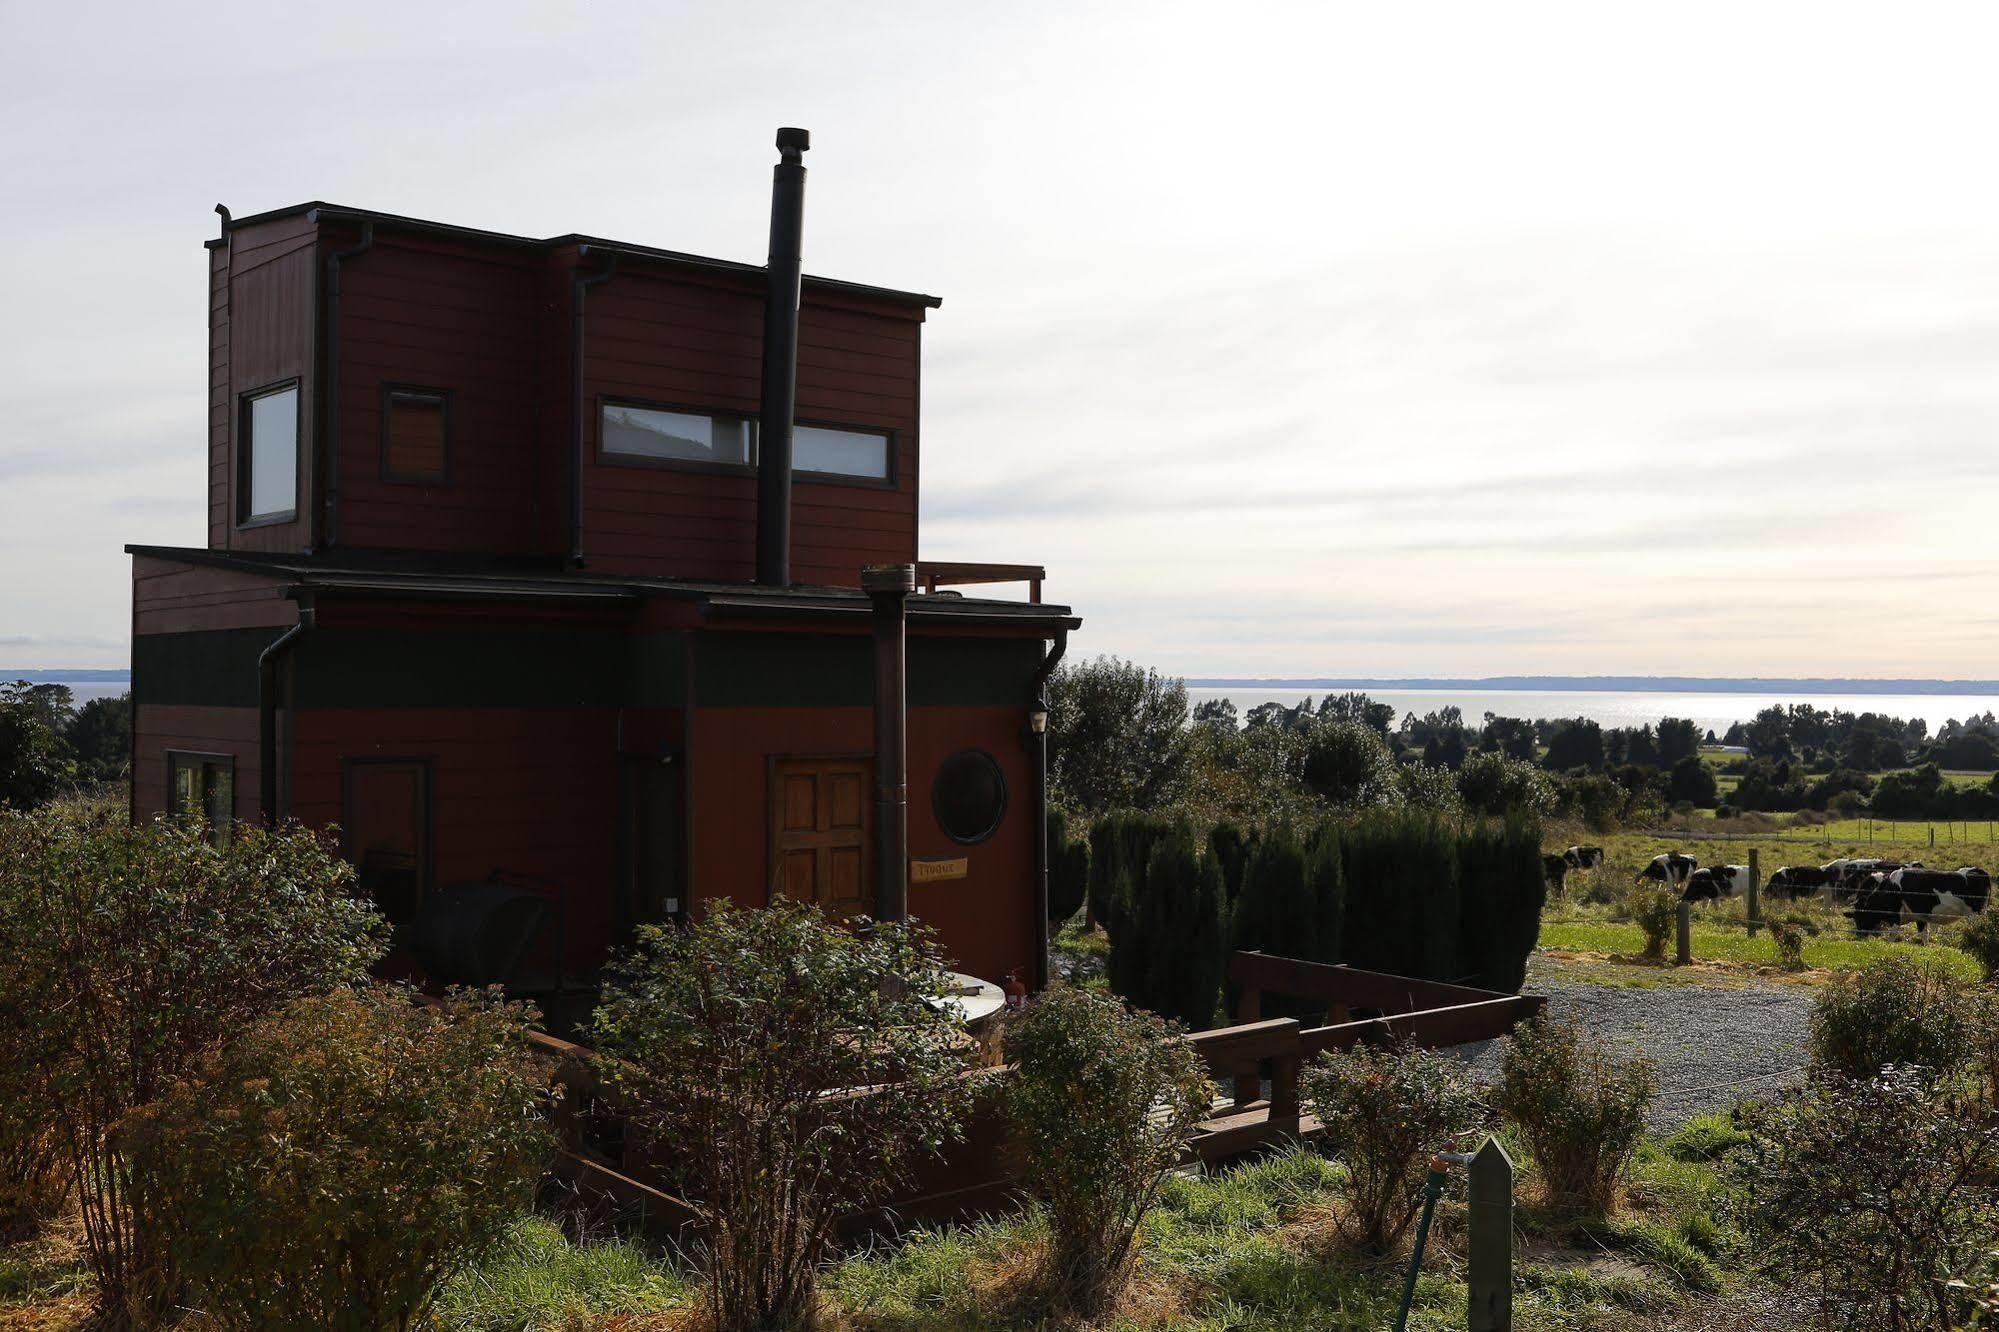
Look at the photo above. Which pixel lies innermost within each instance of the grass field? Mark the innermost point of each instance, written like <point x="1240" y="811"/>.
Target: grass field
<point x="1723" y="943"/>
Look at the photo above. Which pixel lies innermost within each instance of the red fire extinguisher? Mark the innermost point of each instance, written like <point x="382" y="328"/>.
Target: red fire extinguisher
<point x="1016" y="993"/>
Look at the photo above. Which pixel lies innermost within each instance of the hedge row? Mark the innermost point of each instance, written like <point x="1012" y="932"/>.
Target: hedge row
<point x="1399" y="891"/>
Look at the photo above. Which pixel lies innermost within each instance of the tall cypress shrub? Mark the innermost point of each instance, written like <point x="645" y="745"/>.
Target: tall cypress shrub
<point x="1167" y="944"/>
<point x="1326" y="882"/>
<point x="1068" y="869"/>
<point x="1120" y="848"/>
<point x="1231" y="848"/>
<point x="1275" y="912"/>
<point x="1400" y="873"/>
<point x="1502" y="892"/>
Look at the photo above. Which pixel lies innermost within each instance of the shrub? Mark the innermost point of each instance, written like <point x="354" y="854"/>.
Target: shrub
<point x="137" y="949"/>
<point x="1704" y="1138"/>
<point x="1120" y="849"/>
<point x="1980" y="938"/>
<point x="1501" y="786"/>
<point x="1068" y="869"/>
<point x="1117" y="736"/>
<point x="1868" y="1194"/>
<point x="342" y="1159"/>
<point x="1501" y="892"/>
<point x="1400" y="871"/>
<point x="1580" y="1109"/>
<point x="726" y="1038"/>
<point x="1790" y="941"/>
<point x="1101" y="1100"/>
<point x="1231" y="849"/>
<point x="1167" y="953"/>
<point x="1277" y="911"/>
<point x="1892" y="1011"/>
<point x="1386" y="1111"/>
<point x="1658" y="914"/>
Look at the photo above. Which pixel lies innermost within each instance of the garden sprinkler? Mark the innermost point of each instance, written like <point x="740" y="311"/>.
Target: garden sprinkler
<point x="1433" y="1188"/>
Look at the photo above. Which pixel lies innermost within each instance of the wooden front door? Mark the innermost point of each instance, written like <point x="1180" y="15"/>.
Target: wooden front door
<point x="386" y="824"/>
<point x="821" y="833"/>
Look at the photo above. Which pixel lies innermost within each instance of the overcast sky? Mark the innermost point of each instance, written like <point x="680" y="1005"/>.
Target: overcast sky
<point x="1335" y="339"/>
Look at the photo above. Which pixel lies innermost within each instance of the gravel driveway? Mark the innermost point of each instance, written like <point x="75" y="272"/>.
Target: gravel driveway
<point x="1712" y="1044"/>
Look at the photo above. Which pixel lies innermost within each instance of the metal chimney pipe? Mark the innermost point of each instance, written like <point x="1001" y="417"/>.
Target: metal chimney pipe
<point x="780" y="362"/>
<point x="888" y="586"/>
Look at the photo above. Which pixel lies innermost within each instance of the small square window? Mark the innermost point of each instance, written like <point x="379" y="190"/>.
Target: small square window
<point x="649" y="432"/>
<point x="204" y="785"/>
<point x="832" y="452"/>
<point x="267" y="455"/>
<point x="416" y="436"/>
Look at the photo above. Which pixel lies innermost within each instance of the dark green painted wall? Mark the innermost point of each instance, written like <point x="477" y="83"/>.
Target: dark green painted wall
<point x="387" y="668"/>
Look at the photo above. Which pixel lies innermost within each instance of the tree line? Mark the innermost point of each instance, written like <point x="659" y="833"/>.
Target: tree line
<point x="49" y="746"/>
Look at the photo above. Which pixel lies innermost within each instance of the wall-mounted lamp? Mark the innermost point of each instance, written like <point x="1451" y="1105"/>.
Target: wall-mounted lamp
<point x="1037" y="721"/>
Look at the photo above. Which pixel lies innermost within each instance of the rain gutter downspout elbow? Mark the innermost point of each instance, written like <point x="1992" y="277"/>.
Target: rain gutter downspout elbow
<point x="268" y="662"/>
<point x="580" y="285"/>
<point x="329" y="414"/>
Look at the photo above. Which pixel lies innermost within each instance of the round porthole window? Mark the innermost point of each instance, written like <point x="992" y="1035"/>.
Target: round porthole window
<point x="969" y="795"/>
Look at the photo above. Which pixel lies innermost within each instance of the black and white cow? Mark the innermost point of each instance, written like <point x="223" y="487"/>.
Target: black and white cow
<point x="1671" y="868"/>
<point x="1846" y="879"/>
<point x="1796" y="881"/>
<point x="1919" y="896"/>
<point x="1714" y="882"/>
<point x="1555" y="869"/>
<point x="1583" y="857"/>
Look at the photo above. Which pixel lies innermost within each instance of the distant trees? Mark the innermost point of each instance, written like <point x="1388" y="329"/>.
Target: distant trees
<point x="1577" y="742"/>
<point x="47" y="747"/>
<point x="1117" y="736"/>
<point x="1348" y="766"/>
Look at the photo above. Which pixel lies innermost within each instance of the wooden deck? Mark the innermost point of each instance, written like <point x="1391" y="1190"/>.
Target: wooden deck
<point x="1257" y="1061"/>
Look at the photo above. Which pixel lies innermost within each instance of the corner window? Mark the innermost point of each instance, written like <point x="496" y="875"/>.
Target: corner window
<point x="833" y="452"/>
<point x="203" y="785"/>
<point x="628" y="431"/>
<point x="969" y="795"/>
<point x="267" y="454"/>
<point x="416" y="435"/>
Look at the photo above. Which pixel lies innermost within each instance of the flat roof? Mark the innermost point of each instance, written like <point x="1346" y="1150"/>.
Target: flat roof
<point x="424" y="574"/>
<point x="317" y="210"/>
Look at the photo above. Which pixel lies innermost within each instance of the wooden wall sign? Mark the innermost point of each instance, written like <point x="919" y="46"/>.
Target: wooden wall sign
<point x="934" y="871"/>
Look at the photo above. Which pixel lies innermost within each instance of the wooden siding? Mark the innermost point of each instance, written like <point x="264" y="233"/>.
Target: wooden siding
<point x="985" y="920"/>
<point x="419" y="314"/>
<point x="668" y="339"/>
<point x="182" y="598"/>
<point x="263" y="308"/>
<point x="158" y="728"/>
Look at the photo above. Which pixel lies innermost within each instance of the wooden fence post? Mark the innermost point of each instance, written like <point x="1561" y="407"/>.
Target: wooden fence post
<point x="1489" y="1268"/>
<point x="1686" y="941"/>
<point x="1755" y="882"/>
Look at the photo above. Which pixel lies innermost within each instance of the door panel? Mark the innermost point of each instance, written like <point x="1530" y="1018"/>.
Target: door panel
<point x="387" y="831"/>
<point x="821" y="833"/>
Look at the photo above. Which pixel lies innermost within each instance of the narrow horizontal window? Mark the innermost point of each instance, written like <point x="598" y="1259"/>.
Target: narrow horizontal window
<point x="839" y="452"/>
<point x="268" y="454"/>
<point x="648" y="432"/>
<point x="417" y="435"/>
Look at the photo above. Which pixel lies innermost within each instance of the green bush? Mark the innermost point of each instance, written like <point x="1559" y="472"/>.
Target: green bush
<point x="1400" y="872"/>
<point x="1277" y="910"/>
<point x="1704" y="1138"/>
<point x="1167" y="953"/>
<point x="1230" y="848"/>
<point x="1790" y="941"/>
<point x="1658" y="916"/>
<point x="1580" y="1110"/>
<point x="1501" y="892"/>
<point x="138" y="949"/>
<point x="1325" y="882"/>
<point x="1980" y="938"/>
<point x="1120" y="849"/>
<point x="1100" y="1100"/>
<point x="1499" y="786"/>
<point x="727" y="1039"/>
<point x="1068" y="869"/>
<point x="1386" y="1112"/>
<point x="341" y="1160"/>
<point x="1893" y="1011"/>
<point x="1864" y="1197"/>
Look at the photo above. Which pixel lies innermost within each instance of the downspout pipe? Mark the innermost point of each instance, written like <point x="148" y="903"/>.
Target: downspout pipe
<point x="268" y="662"/>
<point x="1037" y="725"/>
<point x="329" y="416"/>
<point x="888" y="586"/>
<point x="779" y="399"/>
<point x="579" y="289"/>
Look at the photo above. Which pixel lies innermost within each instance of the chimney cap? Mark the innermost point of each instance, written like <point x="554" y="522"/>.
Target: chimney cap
<point x="794" y="140"/>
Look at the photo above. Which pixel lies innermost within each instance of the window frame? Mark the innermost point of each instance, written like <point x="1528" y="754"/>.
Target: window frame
<point x="447" y="398"/>
<point x="1005" y="795"/>
<point x="246" y="448"/>
<point x="891" y="436"/>
<point x="202" y="759"/>
<point x="351" y="766"/>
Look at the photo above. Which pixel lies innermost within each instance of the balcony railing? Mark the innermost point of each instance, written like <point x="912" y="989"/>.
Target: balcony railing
<point x="933" y="574"/>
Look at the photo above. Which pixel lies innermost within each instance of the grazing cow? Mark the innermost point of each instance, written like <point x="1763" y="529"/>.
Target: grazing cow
<point x="1846" y="878"/>
<point x="1715" y="882"/>
<point x="1555" y="869"/>
<point x="1796" y="881"/>
<point x="1583" y="857"/>
<point x="1670" y="868"/>
<point x="1922" y="896"/>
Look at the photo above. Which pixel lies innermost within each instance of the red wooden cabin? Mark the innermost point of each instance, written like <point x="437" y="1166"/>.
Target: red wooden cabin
<point x="482" y="587"/>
